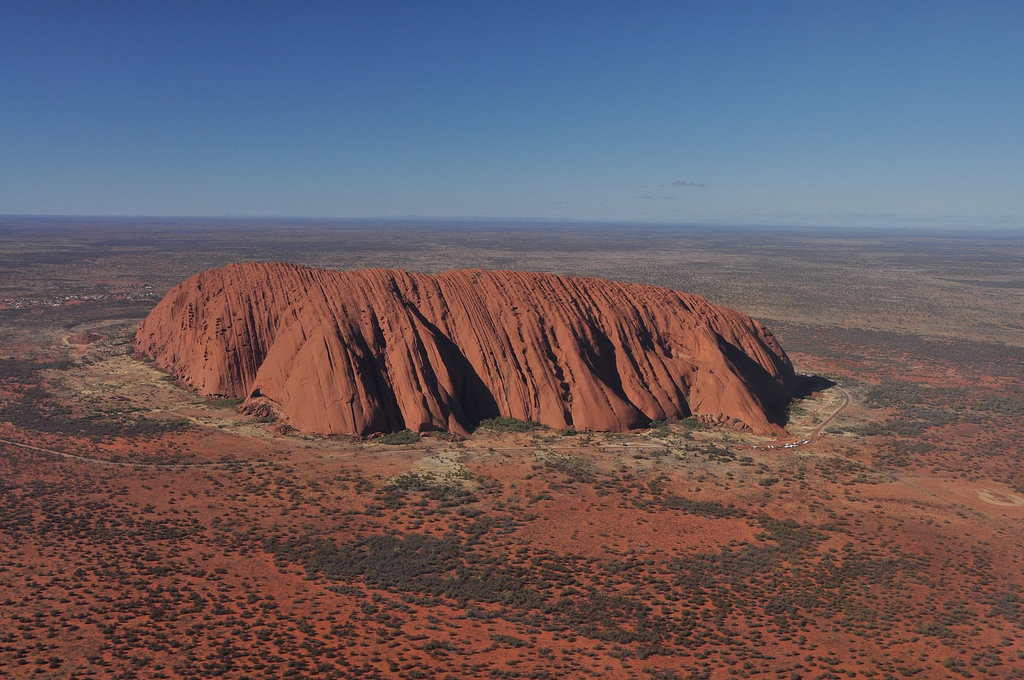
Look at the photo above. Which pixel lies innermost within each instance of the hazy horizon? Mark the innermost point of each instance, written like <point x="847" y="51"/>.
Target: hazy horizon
<point x="810" y="222"/>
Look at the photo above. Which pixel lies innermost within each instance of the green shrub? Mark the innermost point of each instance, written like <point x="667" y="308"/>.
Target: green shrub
<point x="505" y="424"/>
<point x="660" y="428"/>
<point x="225" y="402"/>
<point x="691" y="423"/>
<point x="402" y="437"/>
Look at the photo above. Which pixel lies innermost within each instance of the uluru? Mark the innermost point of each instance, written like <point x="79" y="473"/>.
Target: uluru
<point x="381" y="350"/>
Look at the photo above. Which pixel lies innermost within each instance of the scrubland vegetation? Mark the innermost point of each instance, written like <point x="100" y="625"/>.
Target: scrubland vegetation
<point x="189" y="540"/>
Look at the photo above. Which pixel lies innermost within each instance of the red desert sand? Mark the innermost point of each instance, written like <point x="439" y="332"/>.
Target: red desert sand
<point x="379" y="350"/>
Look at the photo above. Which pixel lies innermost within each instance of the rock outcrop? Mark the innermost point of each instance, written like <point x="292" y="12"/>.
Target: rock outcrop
<point x="379" y="350"/>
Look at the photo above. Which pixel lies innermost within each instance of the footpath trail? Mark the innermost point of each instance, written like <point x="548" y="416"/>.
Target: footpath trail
<point x="814" y="435"/>
<point x="326" y="456"/>
<point x="140" y="464"/>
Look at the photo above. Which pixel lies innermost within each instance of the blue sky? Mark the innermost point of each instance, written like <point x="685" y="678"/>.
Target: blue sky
<point x="818" y="112"/>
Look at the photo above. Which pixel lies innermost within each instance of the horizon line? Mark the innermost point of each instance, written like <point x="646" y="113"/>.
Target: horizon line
<point x="809" y="221"/>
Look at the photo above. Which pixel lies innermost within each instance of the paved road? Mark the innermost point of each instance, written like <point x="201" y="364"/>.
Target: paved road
<point x="816" y="432"/>
<point x="828" y="421"/>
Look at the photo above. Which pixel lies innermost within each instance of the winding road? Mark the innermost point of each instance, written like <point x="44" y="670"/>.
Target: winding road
<point x="828" y="421"/>
<point x="816" y="432"/>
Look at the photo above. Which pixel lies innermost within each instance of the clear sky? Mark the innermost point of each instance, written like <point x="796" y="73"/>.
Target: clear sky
<point x="823" y="112"/>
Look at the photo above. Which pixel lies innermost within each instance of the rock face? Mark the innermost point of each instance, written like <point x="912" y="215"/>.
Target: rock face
<point x="379" y="350"/>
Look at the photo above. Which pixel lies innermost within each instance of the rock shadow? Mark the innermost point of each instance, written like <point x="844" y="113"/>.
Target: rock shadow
<point x="806" y="385"/>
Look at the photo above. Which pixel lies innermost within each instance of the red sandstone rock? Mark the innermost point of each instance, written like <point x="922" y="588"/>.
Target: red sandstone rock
<point x="378" y="350"/>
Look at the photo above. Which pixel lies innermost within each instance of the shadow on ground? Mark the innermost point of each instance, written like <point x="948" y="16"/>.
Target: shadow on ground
<point x="806" y="385"/>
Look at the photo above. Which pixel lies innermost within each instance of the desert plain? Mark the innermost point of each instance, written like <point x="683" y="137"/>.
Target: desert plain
<point x="147" y="531"/>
